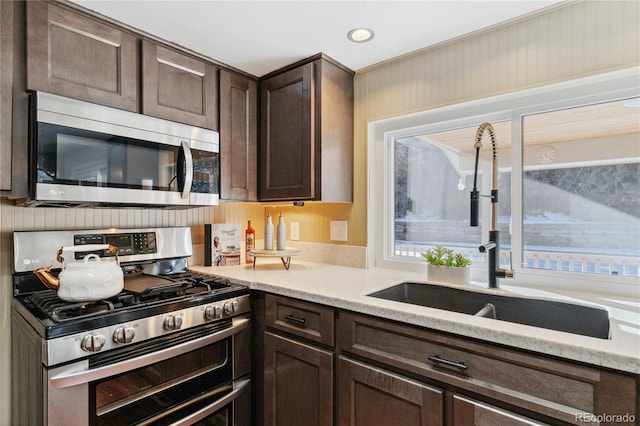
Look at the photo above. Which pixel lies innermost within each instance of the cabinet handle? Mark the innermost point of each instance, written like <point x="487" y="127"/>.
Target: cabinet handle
<point x="292" y="318"/>
<point x="459" y="365"/>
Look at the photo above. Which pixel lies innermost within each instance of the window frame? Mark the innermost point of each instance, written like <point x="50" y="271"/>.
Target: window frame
<point x="512" y="107"/>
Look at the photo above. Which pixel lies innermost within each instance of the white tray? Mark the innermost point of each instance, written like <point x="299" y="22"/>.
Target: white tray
<point x="284" y="255"/>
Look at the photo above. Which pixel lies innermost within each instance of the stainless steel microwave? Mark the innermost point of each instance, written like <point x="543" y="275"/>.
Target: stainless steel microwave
<point x="82" y="154"/>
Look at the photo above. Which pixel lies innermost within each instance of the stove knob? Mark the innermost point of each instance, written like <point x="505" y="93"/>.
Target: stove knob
<point x="172" y="322"/>
<point x="124" y="335"/>
<point x="93" y="343"/>
<point x="230" y="307"/>
<point x="212" y="312"/>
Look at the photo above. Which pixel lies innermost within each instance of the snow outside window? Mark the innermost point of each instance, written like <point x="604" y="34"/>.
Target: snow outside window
<point x="579" y="171"/>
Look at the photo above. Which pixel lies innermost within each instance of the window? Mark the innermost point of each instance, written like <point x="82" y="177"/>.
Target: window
<point x="581" y="186"/>
<point x="568" y="187"/>
<point x="433" y="178"/>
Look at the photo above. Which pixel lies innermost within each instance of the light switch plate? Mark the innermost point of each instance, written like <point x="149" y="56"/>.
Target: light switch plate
<point x="338" y="230"/>
<point x="295" y="231"/>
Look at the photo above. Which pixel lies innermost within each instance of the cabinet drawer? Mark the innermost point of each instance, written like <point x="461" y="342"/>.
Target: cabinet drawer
<point x="550" y="387"/>
<point x="305" y="319"/>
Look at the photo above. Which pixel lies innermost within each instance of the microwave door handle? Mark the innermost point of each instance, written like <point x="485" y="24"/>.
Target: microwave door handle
<point x="185" y="175"/>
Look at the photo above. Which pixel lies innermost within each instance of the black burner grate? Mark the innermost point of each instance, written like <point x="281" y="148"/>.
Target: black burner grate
<point x="167" y="288"/>
<point x="50" y="304"/>
<point x="208" y="282"/>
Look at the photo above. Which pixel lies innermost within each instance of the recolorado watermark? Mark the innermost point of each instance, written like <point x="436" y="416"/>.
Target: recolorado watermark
<point x="605" y="418"/>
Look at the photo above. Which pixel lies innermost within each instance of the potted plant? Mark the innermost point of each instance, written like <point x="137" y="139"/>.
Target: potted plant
<point x="447" y="266"/>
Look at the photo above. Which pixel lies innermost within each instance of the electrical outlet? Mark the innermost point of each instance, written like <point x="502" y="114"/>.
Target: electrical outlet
<point x="295" y="231"/>
<point x="338" y="230"/>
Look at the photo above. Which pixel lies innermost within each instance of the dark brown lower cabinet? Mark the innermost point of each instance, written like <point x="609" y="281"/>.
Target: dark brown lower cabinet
<point x="368" y="396"/>
<point x="390" y="373"/>
<point x="298" y="383"/>
<point x="526" y="385"/>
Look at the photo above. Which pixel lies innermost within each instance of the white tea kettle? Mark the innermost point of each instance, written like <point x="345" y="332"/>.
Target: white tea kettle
<point x="90" y="279"/>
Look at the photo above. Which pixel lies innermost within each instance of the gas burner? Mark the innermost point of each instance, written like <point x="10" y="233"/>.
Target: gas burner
<point x="83" y="309"/>
<point x="59" y="310"/>
<point x="208" y="282"/>
<point x="165" y="291"/>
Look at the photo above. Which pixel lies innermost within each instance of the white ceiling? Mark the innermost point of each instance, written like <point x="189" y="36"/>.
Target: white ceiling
<point x="261" y="36"/>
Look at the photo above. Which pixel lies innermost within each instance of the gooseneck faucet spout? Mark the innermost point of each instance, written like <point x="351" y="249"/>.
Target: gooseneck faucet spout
<point x="493" y="245"/>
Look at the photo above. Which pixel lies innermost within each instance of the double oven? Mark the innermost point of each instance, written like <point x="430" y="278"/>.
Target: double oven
<point x="173" y="348"/>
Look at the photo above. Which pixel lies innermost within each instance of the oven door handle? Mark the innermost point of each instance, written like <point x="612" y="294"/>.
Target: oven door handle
<point x="239" y="387"/>
<point x="82" y="377"/>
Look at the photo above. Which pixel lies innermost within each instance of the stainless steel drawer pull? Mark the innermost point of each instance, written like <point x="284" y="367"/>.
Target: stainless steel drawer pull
<point x="292" y="318"/>
<point x="436" y="358"/>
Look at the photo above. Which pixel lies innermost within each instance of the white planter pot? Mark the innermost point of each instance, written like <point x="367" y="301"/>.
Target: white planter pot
<point x="448" y="274"/>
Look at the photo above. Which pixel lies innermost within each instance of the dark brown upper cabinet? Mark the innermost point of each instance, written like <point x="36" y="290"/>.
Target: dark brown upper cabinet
<point x="70" y="54"/>
<point x="306" y="132"/>
<point x="6" y="91"/>
<point x="238" y="137"/>
<point x="13" y="100"/>
<point x="178" y="87"/>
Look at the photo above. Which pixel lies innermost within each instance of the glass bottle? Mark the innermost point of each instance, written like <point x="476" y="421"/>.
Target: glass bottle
<point x="249" y="240"/>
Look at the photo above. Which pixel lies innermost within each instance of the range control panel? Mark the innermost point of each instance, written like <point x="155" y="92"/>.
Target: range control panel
<point x="35" y="249"/>
<point x="128" y="243"/>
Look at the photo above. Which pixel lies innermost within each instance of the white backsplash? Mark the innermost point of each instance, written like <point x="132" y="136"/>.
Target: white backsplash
<point x="334" y="254"/>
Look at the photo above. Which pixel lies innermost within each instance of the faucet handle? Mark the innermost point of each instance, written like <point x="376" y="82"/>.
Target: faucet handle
<point x="507" y="273"/>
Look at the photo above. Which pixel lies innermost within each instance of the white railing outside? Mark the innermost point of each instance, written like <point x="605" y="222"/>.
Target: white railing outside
<point x="627" y="266"/>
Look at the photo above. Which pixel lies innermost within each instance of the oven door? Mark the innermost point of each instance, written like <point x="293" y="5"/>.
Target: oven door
<point x="231" y="409"/>
<point x="185" y="379"/>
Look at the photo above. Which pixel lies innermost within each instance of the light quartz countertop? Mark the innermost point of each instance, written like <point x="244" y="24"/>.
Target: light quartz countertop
<point x="347" y="288"/>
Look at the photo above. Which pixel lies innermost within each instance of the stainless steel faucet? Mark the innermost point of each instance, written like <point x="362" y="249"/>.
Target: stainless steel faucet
<point x="492" y="247"/>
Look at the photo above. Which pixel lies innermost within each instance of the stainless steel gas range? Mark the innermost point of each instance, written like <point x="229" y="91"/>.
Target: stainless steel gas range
<point x="172" y="348"/>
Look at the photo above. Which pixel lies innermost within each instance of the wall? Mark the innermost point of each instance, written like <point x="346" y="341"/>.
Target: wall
<point x="573" y="40"/>
<point x="564" y="42"/>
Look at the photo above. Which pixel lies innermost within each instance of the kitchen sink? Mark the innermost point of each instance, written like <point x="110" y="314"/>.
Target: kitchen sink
<point x="553" y="315"/>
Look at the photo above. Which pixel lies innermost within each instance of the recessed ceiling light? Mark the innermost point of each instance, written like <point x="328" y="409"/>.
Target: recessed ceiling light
<point x="360" y="35"/>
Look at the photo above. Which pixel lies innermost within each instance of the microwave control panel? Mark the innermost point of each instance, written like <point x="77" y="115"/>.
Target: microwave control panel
<point x="128" y="243"/>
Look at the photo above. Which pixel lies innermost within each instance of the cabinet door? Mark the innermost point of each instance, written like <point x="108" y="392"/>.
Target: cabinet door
<point x="298" y="383"/>
<point x="178" y="87"/>
<point x="467" y="412"/>
<point x="287" y="170"/>
<point x="71" y="55"/>
<point x="238" y="137"/>
<point x="373" y="397"/>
